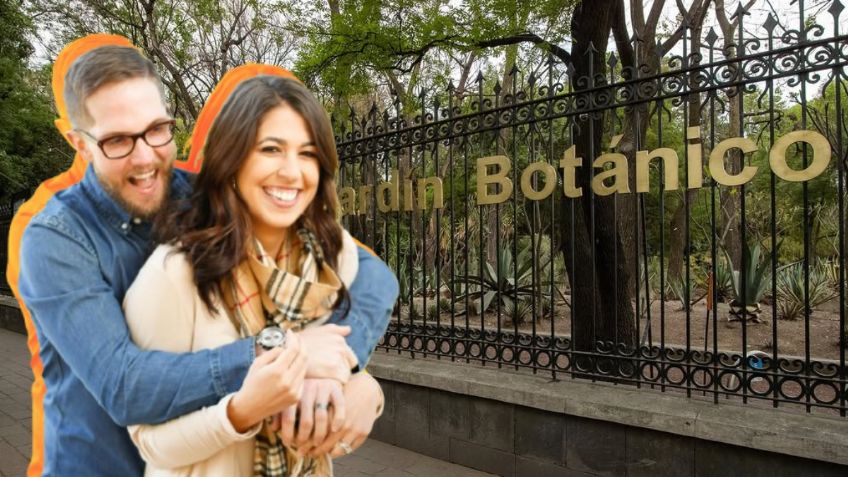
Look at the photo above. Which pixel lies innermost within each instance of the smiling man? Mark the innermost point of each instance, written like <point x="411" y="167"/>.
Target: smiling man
<point x="81" y="252"/>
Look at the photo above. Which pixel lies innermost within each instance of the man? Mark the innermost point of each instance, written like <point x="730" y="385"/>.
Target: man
<point x="81" y="252"/>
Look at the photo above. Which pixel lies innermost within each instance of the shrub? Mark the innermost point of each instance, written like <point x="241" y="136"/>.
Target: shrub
<point x="518" y="311"/>
<point x="790" y="288"/>
<point x="749" y="289"/>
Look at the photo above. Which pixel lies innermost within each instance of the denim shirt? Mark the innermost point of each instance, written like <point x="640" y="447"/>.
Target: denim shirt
<point x="79" y="256"/>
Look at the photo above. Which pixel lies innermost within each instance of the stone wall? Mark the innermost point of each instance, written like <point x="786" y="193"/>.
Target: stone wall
<point x="446" y="411"/>
<point x="10" y="315"/>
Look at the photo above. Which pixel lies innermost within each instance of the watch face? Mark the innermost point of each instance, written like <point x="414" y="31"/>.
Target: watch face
<point x="271" y="337"/>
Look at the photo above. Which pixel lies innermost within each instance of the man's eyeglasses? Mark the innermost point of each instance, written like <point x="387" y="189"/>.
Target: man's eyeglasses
<point x="122" y="145"/>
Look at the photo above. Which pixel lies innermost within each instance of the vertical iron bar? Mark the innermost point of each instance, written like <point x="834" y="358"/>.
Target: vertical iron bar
<point x="840" y="166"/>
<point x="452" y="222"/>
<point x="687" y="238"/>
<point x="554" y="228"/>
<point x="805" y="216"/>
<point x="514" y="159"/>
<point x="740" y="52"/>
<point x="716" y="362"/>
<point x="773" y="206"/>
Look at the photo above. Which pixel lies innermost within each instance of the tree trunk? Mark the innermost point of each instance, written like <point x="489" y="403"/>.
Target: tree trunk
<point x="599" y="315"/>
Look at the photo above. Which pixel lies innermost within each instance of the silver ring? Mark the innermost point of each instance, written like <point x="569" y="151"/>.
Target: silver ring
<point x="321" y="406"/>
<point x="345" y="447"/>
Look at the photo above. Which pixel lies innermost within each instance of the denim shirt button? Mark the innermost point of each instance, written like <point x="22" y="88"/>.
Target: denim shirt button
<point x="125" y="226"/>
<point x="136" y="221"/>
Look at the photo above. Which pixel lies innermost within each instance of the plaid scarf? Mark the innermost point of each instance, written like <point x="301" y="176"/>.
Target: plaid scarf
<point x="264" y="292"/>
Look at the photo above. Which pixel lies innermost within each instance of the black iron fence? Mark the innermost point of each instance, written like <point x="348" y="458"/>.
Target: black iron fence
<point x="677" y="222"/>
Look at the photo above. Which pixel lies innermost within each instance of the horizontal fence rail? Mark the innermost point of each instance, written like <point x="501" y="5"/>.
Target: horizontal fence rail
<point x="680" y="226"/>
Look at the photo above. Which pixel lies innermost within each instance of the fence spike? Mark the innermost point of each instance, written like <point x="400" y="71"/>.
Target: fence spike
<point x="740" y="10"/>
<point x="711" y="37"/>
<point x="770" y="23"/>
<point x="835" y="8"/>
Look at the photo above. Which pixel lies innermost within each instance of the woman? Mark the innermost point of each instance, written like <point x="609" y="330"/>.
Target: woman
<point x="257" y="246"/>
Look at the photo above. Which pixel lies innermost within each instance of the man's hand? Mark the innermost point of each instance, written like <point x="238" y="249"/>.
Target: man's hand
<point x="321" y="411"/>
<point x="329" y="355"/>
<point x="364" y="404"/>
<point x="273" y="382"/>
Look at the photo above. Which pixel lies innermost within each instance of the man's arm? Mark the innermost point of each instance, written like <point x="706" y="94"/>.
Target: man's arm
<point x="373" y="294"/>
<point x="77" y="311"/>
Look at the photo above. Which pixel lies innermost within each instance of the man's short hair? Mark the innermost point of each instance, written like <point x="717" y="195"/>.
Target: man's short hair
<point x="99" y="67"/>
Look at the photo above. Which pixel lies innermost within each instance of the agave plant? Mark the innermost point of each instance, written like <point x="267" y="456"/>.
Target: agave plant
<point x="723" y="279"/>
<point x="749" y="289"/>
<point x="514" y="283"/>
<point x="684" y="292"/>
<point x="790" y="288"/>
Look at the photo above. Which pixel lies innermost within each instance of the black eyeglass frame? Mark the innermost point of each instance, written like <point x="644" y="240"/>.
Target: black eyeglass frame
<point x="143" y="135"/>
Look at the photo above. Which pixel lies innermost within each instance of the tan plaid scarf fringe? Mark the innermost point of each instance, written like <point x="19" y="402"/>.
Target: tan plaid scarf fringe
<point x="268" y="292"/>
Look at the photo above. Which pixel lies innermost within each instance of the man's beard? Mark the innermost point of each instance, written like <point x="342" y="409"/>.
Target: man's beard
<point x="133" y="209"/>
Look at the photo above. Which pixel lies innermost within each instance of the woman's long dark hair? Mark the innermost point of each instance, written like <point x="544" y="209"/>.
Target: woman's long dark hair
<point x="212" y="227"/>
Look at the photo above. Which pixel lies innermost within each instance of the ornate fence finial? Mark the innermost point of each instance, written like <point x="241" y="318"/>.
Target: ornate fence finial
<point x="835" y="9"/>
<point x="770" y="23"/>
<point x="740" y="10"/>
<point x="612" y="62"/>
<point x="711" y="37"/>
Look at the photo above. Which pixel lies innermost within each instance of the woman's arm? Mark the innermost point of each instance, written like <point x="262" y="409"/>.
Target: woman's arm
<point x="273" y="381"/>
<point x="189" y="439"/>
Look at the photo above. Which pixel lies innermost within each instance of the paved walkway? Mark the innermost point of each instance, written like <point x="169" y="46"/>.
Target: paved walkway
<point x="372" y="459"/>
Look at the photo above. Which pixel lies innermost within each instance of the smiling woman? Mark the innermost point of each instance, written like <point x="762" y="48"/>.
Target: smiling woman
<point x="257" y="248"/>
<point x="280" y="176"/>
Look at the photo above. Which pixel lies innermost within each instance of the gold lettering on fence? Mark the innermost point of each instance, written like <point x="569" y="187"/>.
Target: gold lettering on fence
<point x="618" y="174"/>
<point x="549" y="180"/>
<point x="717" y="169"/>
<point x="694" y="158"/>
<point x="821" y="156"/>
<point x="393" y="188"/>
<point x="438" y="197"/>
<point x="498" y="178"/>
<point x="494" y="185"/>
<point x="569" y="165"/>
<point x="643" y="159"/>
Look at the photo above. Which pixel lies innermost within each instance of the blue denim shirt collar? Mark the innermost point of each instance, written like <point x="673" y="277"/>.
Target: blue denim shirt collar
<point x="112" y="212"/>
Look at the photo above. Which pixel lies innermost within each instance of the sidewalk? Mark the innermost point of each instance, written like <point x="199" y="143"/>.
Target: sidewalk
<point x="372" y="459"/>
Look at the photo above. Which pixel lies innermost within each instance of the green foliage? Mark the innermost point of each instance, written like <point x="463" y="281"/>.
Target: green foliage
<point x="723" y="279"/>
<point x="514" y="283"/>
<point x="432" y="311"/>
<point x="683" y="291"/>
<point x="31" y="150"/>
<point x="756" y="278"/>
<point x="518" y="311"/>
<point x="790" y="288"/>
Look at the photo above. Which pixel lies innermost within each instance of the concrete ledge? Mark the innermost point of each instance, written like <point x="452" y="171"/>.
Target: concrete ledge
<point x="9" y="301"/>
<point x="10" y="315"/>
<point x="800" y="435"/>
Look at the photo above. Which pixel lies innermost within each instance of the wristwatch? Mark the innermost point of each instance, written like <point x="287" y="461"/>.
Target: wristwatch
<point x="271" y="337"/>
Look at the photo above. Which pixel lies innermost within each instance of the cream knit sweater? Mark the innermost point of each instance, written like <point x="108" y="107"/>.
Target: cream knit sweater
<point x="164" y="312"/>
